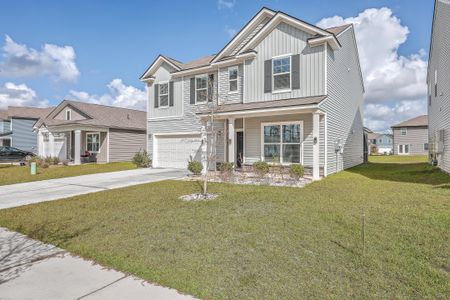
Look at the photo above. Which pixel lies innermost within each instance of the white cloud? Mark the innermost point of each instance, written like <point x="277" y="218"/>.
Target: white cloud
<point x="226" y="4"/>
<point x="19" y="95"/>
<point x="230" y="31"/>
<point x="392" y="81"/>
<point x="52" y="60"/>
<point x="118" y="94"/>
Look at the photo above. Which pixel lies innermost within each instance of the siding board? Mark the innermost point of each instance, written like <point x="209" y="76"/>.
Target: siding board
<point x="123" y="144"/>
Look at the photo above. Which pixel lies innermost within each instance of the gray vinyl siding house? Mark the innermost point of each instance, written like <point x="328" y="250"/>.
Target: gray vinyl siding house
<point x="86" y="132"/>
<point x="16" y="127"/>
<point x="438" y="81"/>
<point x="281" y="90"/>
<point x="411" y="137"/>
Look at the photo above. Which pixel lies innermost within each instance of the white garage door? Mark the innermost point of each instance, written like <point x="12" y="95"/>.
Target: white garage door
<point x="175" y="151"/>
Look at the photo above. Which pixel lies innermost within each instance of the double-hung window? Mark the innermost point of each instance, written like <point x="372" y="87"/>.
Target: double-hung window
<point x="403" y="131"/>
<point x="93" y="142"/>
<point x="163" y="94"/>
<point x="282" y="142"/>
<point x="281" y="72"/>
<point x="201" y="89"/>
<point x="68" y="115"/>
<point x="233" y="79"/>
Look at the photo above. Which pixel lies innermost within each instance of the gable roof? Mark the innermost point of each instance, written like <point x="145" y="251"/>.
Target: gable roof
<point x="328" y="35"/>
<point x="98" y="115"/>
<point x="419" y="121"/>
<point x="25" y="112"/>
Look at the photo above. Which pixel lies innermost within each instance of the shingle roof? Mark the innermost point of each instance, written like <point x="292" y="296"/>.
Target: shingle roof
<point x="101" y="115"/>
<point x="414" y="122"/>
<point x="3" y="115"/>
<point x="338" y="29"/>
<point x="28" y="112"/>
<point x="267" y="104"/>
<point x="373" y="135"/>
<point x="202" y="61"/>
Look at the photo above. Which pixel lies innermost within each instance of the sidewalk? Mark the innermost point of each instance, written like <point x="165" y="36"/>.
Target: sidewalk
<point x="30" y="269"/>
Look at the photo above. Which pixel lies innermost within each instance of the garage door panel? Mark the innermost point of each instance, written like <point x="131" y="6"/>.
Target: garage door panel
<point x="175" y="151"/>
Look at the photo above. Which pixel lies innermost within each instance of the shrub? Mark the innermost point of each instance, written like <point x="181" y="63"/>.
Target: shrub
<point x="261" y="168"/>
<point x="55" y="160"/>
<point x="44" y="165"/>
<point x="296" y="171"/>
<point x="225" y="169"/>
<point x="48" y="160"/>
<point x="142" y="159"/>
<point x="65" y="162"/>
<point x="195" y="167"/>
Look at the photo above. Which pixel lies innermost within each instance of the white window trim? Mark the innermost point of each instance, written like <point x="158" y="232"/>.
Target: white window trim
<point x="99" y="141"/>
<point x="290" y="74"/>
<point x="196" y="90"/>
<point x="230" y="80"/>
<point x="403" y="148"/>
<point x="281" y="140"/>
<point x="159" y="94"/>
<point x="70" y="115"/>
<point x="406" y="131"/>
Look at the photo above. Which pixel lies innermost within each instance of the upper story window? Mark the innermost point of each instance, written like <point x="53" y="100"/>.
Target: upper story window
<point x="429" y="94"/>
<point x="281" y="70"/>
<point x="68" y="115"/>
<point x="233" y="79"/>
<point x="163" y="94"/>
<point x="435" y="83"/>
<point x="403" y="131"/>
<point x="201" y="89"/>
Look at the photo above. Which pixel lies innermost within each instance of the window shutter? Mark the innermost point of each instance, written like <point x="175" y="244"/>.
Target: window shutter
<point x="192" y="90"/>
<point x="210" y="87"/>
<point x="156" y="100"/>
<point x="268" y="76"/>
<point x="170" y="93"/>
<point x="295" y="71"/>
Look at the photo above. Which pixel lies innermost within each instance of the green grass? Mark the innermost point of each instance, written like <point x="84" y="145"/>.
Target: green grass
<point x="10" y="174"/>
<point x="398" y="159"/>
<point x="266" y="242"/>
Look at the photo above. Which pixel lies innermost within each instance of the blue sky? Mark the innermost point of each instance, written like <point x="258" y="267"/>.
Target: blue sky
<point x="119" y="39"/>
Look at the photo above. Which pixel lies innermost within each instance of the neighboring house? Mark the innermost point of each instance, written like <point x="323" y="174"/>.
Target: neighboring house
<point x="108" y="133"/>
<point x="438" y="80"/>
<point x="16" y="127"/>
<point x="411" y="136"/>
<point x="282" y="90"/>
<point x="380" y="143"/>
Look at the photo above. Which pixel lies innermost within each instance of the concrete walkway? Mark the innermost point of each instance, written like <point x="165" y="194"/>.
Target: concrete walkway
<point x="30" y="269"/>
<point x="47" y="190"/>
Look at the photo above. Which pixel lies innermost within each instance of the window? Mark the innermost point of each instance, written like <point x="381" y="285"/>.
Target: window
<point x="425" y="146"/>
<point x="68" y="114"/>
<point x="93" y="142"/>
<point x="282" y="143"/>
<point x="163" y="95"/>
<point x="281" y="70"/>
<point x="233" y="79"/>
<point x="403" y="131"/>
<point x="429" y="94"/>
<point x="381" y="141"/>
<point x="201" y="89"/>
<point x="403" y="149"/>
<point x="435" y="83"/>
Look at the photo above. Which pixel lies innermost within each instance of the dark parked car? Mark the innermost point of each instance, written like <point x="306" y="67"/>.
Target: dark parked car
<point x="10" y="154"/>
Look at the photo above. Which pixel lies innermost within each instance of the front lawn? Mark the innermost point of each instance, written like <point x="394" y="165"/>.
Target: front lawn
<point x="395" y="159"/>
<point x="10" y="174"/>
<point x="257" y="242"/>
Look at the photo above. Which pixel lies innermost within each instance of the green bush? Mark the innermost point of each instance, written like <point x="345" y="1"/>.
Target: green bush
<point x="195" y="167"/>
<point x="142" y="159"/>
<point x="296" y="171"/>
<point x="261" y="168"/>
<point x="225" y="167"/>
<point x="55" y="160"/>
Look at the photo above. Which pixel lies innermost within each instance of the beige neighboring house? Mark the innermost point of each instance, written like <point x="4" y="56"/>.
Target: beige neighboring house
<point x="73" y="129"/>
<point x="411" y="136"/>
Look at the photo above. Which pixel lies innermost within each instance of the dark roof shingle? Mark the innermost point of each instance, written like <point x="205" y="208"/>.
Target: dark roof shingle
<point x="414" y="122"/>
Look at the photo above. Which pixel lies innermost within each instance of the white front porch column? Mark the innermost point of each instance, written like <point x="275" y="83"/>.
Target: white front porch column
<point x="51" y="144"/>
<point x="40" y="149"/>
<point x="316" y="146"/>
<point x="231" y="133"/>
<point x="77" y="148"/>
<point x="204" y="137"/>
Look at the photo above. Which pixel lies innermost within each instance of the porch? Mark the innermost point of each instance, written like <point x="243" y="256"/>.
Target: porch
<point x="74" y="144"/>
<point x="278" y="137"/>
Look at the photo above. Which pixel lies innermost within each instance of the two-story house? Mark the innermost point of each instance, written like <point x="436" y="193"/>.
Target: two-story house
<point x="281" y="90"/>
<point x="411" y="136"/>
<point x="380" y="143"/>
<point x="16" y="127"/>
<point x="438" y="80"/>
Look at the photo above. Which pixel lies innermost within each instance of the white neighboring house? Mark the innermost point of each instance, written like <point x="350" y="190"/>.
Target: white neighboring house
<point x="282" y="88"/>
<point x="438" y="80"/>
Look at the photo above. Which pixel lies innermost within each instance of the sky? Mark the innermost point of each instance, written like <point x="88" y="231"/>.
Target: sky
<point x="95" y="51"/>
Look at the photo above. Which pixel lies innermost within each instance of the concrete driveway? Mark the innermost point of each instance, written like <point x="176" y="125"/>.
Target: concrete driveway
<point x="30" y="269"/>
<point x="46" y="190"/>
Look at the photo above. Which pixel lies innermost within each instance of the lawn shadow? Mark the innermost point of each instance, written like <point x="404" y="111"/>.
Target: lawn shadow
<point x="403" y="172"/>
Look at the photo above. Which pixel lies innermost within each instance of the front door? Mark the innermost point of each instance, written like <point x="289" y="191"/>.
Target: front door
<point x="239" y="148"/>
